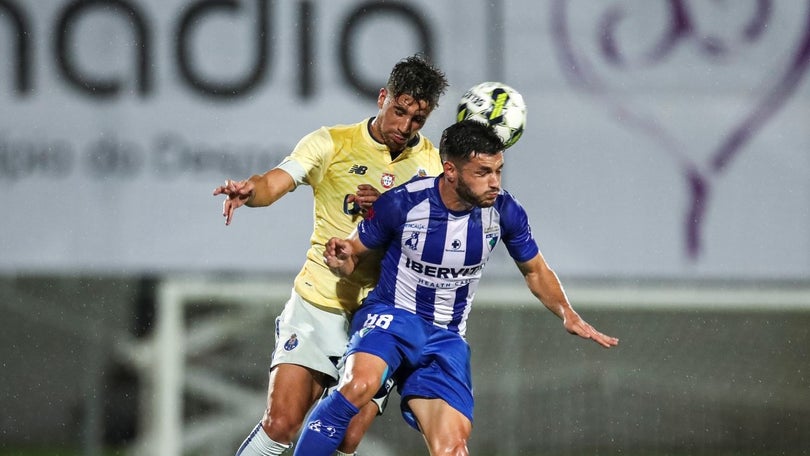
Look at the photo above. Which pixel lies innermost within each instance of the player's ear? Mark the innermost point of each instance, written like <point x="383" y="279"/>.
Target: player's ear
<point x="381" y="97"/>
<point x="449" y="170"/>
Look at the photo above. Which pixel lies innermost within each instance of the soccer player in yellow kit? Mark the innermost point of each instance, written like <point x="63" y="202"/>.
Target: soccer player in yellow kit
<point x="347" y="167"/>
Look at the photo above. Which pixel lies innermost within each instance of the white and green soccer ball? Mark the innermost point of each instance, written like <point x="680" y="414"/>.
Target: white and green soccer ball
<point x="498" y="105"/>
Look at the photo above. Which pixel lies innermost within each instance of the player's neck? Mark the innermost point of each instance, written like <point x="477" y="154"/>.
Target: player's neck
<point x="376" y="135"/>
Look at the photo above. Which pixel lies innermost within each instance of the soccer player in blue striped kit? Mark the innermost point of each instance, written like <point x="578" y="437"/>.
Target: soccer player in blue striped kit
<point x="437" y="234"/>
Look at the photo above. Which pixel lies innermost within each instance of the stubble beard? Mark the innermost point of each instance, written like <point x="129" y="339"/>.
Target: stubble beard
<point x="465" y="194"/>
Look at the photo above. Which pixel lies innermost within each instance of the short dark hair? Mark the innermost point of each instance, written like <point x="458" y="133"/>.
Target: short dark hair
<point x="468" y="138"/>
<point x="419" y="78"/>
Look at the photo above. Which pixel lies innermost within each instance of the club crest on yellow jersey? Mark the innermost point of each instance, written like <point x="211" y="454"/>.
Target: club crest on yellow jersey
<point x="387" y="180"/>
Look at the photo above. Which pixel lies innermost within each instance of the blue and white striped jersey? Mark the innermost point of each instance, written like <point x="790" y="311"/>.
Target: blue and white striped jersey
<point x="434" y="256"/>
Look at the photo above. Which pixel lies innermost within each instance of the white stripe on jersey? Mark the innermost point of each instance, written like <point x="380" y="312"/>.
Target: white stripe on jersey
<point x="420" y="184"/>
<point x="405" y="288"/>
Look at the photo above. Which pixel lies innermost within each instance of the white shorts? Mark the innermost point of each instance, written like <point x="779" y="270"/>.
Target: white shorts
<point x="311" y="337"/>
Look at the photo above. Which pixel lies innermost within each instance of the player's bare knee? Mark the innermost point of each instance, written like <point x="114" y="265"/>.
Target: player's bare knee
<point x="280" y="427"/>
<point x="450" y="447"/>
<point x="359" y="390"/>
<point x="449" y="442"/>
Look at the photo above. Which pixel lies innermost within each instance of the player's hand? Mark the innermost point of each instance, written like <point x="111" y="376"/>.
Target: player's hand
<point x="337" y="255"/>
<point x="574" y="324"/>
<point x="365" y="196"/>
<point x="238" y="192"/>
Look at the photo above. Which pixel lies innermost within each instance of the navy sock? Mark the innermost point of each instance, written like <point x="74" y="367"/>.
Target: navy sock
<point x="326" y="426"/>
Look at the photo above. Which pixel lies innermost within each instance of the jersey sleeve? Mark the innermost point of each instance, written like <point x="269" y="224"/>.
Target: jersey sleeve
<point x="517" y="233"/>
<point x="307" y="162"/>
<point x="379" y="229"/>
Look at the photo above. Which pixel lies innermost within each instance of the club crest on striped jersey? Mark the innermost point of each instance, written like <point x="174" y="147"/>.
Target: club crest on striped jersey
<point x="492" y="240"/>
<point x="413" y="241"/>
<point x="387" y="180"/>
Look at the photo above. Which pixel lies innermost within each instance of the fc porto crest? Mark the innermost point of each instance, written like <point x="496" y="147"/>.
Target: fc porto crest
<point x="291" y="343"/>
<point x="387" y="180"/>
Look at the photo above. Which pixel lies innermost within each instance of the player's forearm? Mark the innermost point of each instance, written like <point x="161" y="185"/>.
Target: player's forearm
<point x="546" y="286"/>
<point x="346" y="268"/>
<point x="269" y="187"/>
<point x="551" y="296"/>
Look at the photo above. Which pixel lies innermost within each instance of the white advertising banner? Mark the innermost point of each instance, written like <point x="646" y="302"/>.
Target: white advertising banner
<point x="665" y="139"/>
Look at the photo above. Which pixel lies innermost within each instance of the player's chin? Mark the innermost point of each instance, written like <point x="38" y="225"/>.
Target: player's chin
<point x="488" y="200"/>
<point x="397" y="141"/>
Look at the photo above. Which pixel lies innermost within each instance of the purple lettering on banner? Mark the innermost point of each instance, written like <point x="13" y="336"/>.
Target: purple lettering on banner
<point x="682" y="30"/>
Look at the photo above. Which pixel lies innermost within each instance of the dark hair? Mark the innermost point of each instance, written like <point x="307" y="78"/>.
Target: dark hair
<point x="419" y="78"/>
<point x="468" y="138"/>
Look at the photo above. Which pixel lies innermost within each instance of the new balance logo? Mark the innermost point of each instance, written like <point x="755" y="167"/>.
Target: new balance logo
<point x="358" y="169"/>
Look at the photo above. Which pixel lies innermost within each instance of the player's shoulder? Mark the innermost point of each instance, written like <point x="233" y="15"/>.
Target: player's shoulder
<point x="344" y="128"/>
<point x="418" y="184"/>
<point x="508" y="202"/>
<point x="353" y="138"/>
<point x="342" y="132"/>
<point x="405" y="194"/>
<point x="511" y="212"/>
<point x="422" y="144"/>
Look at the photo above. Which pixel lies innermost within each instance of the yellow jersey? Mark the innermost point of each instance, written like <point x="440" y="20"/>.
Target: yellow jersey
<point x="334" y="161"/>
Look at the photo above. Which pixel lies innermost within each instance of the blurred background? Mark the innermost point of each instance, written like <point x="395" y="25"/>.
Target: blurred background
<point x="665" y="168"/>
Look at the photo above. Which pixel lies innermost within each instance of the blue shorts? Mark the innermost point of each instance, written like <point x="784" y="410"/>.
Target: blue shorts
<point x="425" y="360"/>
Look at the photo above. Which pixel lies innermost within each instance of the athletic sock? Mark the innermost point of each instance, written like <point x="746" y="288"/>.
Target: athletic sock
<point x="326" y="426"/>
<point x="340" y="453"/>
<point x="258" y="443"/>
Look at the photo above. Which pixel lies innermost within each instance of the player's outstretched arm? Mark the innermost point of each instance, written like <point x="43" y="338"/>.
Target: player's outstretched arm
<point x="259" y="190"/>
<point x="546" y="286"/>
